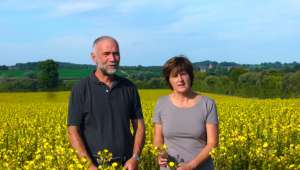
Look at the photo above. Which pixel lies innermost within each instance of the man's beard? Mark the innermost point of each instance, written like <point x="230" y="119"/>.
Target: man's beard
<point x="106" y="71"/>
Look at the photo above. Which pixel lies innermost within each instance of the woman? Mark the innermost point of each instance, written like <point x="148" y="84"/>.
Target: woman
<point x="185" y="121"/>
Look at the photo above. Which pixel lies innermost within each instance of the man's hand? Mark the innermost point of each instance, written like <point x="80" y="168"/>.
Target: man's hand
<point x="185" y="166"/>
<point x="139" y="139"/>
<point x="131" y="164"/>
<point x="93" y="167"/>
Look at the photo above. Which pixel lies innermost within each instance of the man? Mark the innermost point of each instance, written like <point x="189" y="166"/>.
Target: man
<point x="101" y="108"/>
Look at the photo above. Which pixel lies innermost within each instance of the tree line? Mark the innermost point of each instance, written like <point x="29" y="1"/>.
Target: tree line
<point x="236" y="81"/>
<point x="45" y="78"/>
<point x="263" y="81"/>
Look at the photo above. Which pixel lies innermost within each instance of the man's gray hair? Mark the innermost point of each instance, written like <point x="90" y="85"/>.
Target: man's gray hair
<point x="105" y="37"/>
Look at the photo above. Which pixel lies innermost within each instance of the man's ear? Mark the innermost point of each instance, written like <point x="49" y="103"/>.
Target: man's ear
<point x="93" y="56"/>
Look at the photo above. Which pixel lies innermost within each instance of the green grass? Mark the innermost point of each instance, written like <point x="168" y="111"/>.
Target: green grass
<point x="13" y="73"/>
<point x="69" y="73"/>
<point x="63" y="73"/>
<point x="73" y="73"/>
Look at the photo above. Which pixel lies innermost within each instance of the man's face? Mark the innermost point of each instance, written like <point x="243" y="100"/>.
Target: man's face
<point x="106" y="55"/>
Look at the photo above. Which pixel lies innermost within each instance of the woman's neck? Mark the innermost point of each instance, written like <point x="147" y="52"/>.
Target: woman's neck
<point x="183" y="97"/>
<point x="184" y="100"/>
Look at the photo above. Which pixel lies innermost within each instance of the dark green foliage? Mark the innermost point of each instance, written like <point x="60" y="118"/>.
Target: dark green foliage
<point x="296" y="68"/>
<point x="199" y="81"/>
<point x="30" y="74"/>
<point x="18" y="85"/>
<point x="228" y="85"/>
<point x="291" y="84"/>
<point x="260" y="84"/>
<point x="48" y="74"/>
<point x="26" y="66"/>
<point x="235" y="73"/>
<point x="249" y="84"/>
<point x="266" y="80"/>
<point x="3" y="67"/>
<point x="271" y="85"/>
<point x="66" y="84"/>
<point x="152" y="83"/>
<point x="212" y="83"/>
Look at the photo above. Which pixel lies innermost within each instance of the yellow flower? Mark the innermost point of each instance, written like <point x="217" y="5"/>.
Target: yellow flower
<point x="171" y="164"/>
<point x="267" y="130"/>
<point x="292" y="166"/>
<point x="115" y="164"/>
<point x="79" y="166"/>
<point x="49" y="157"/>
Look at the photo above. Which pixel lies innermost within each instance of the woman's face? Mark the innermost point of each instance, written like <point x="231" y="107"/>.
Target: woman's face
<point x="181" y="82"/>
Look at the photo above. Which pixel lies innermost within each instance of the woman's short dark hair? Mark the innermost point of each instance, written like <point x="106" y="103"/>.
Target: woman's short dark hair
<point x="176" y="65"/>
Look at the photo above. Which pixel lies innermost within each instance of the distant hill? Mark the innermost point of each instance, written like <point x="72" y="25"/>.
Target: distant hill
<point x="77" y="71"/>
<point x="207" y="64"/>
<point x="62" y="65"/>
<point x="265" y="80"/>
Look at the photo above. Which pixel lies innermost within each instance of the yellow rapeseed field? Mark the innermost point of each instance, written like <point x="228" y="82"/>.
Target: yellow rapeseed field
<point x="254" y="133"/>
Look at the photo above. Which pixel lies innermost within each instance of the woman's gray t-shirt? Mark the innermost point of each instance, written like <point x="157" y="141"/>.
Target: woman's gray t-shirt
<point x="184" y="129"/>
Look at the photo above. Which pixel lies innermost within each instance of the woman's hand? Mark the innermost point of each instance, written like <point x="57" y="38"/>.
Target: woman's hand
<point x="162" y="161"/>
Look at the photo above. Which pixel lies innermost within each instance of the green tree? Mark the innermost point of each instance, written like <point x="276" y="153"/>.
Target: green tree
<point x="3" y="67"/>
<point x="228" y="85"/>
<point x="198" y="83"/>
<point x="249" y="84"/>
<point x="271" y="86"/>
<point x="30" y="74"/>
<point x="235" y="73"/>
<point x="291" y="85"/>
<point x="213" y="84"/>
<point x="48" y="74"/>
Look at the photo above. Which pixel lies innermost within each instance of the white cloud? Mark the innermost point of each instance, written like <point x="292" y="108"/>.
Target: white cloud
<point x="130" y="6"/>
<point x="194" y="18"/>
<point x="238" y="20"/>
<point x="56" y="8"/>
<point x="24" y="5"/>
<point x="74" y="7"/>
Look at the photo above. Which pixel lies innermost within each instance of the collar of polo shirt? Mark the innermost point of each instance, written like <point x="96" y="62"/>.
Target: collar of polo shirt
<point x="116" y="79"/>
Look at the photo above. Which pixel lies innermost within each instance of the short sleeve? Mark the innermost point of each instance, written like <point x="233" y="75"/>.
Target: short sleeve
<point x="212" y="115"/>
<point x="75" y="113"/>
<point x="157" y="112"/>
<point x="136" y="109"/>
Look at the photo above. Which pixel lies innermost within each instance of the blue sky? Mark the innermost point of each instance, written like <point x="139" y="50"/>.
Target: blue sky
<point x="150" y="32"/>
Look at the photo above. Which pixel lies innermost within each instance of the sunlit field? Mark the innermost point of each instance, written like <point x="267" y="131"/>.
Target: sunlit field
<point x="254" y="134"/>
